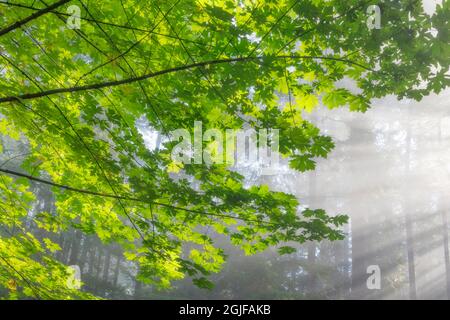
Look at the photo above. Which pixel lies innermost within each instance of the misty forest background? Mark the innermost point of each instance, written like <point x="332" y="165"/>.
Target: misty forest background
<point x="386" y="166"/>
<point x="389" y="173"/>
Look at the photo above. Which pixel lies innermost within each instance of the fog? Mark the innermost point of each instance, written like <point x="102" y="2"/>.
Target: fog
<point x="389" y="172"/>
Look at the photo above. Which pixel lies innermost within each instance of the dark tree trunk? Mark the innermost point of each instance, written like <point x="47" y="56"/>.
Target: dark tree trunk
<point x="98" y="264"/>
<point x="75" y="248"/>
<point x="137" y="286"/>
<point x="66" y="249"/>
<point x="60" y="254"/>
<point x="137" y="289"/>
<point x="91" y="261"/>
<point x="106" y="266"/>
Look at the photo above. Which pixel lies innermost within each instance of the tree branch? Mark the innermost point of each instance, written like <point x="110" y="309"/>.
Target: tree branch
<point x="121" y="197"/>
<point x="106" y="23"/>
<point x="100" y="85"/>
<point x="35" y="15"/>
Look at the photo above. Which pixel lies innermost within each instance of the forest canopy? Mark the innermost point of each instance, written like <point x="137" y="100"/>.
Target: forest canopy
<point x="80" y="79"/>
